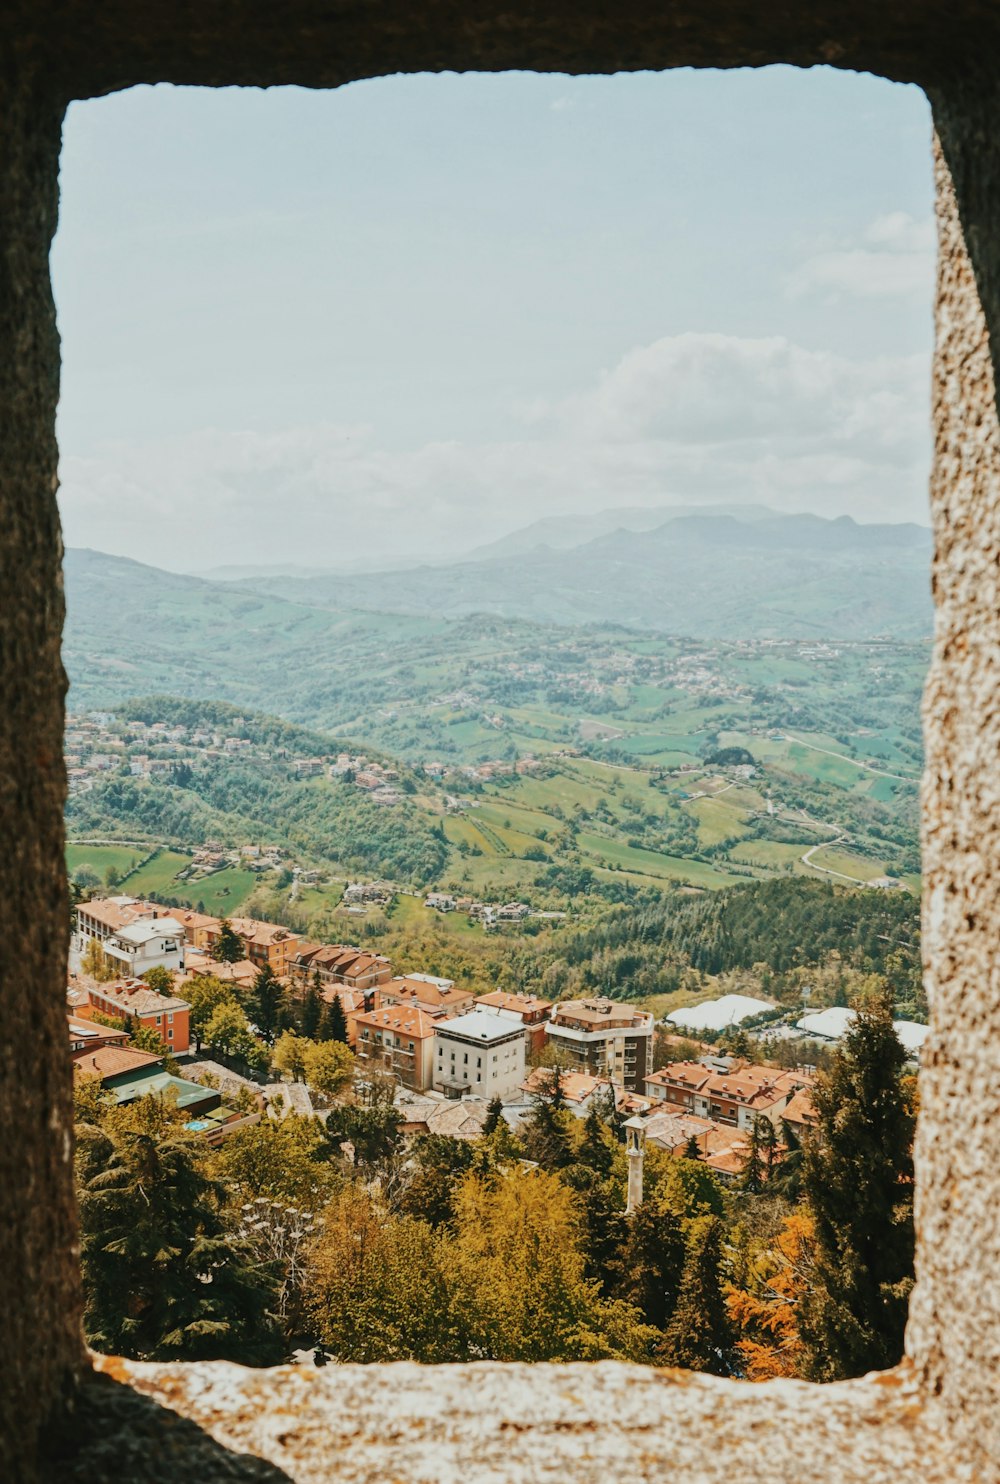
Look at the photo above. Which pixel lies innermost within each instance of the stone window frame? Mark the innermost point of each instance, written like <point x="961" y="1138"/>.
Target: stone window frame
<point x="938" y="1414"/>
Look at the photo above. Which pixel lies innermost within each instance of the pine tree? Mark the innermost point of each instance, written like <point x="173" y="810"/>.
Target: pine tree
<point x="334" y="1023"/>
<point x="267" y="1002"/>
<point x="699" y="1336"/>
<point x="858" y="1180"/>
<point x="759" y="1155"/>
<point x="691" y="1149"/>
<point x="162" y="1280"/>
<point x="595" y="1150"/>
<point x="545" y="1135"/>
<point x="494" y="1116"/>
<point x="229" y="948"/>
<point x="311" y="1014"/>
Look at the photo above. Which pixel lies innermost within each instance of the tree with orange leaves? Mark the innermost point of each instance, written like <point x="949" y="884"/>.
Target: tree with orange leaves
<point x="763" y="1309"/>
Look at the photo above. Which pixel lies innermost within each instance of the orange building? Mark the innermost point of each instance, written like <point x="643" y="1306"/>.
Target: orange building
<point x="131" y="998"/>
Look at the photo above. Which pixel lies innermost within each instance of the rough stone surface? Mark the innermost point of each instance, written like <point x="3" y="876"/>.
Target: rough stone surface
<point x="954" y="1331"/>
<point x="938" y="1420"/>
<point x="39" y="1282"/>
<point x="568" y="1424"/>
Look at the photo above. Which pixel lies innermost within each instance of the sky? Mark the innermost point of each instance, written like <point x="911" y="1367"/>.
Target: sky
<point x="397" y="320"/>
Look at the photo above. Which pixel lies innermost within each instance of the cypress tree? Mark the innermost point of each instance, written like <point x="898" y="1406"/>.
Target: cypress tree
<point x="334" y="1025"/>
<point x="494" y="1116"/>
<point x="699" y="1336"/>
<point x="267" y="1003"/>
<point x="595" y="1151"/>
<point x="858" y="1181"/>
<point x="229" y="948"/>
<point x="311" y="1014"/>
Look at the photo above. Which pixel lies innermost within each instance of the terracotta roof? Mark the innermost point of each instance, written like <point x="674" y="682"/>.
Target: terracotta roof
<point x="264" y="933"/>
<point x="112" y="1061"/>
<point x="90" y="1030"/>
<point x="599" y="1013"/>
<point x="800" y="1108"/>
<point x="521" y="1004"/>
<point x="690" y="1075"/>
<point x="576" y="1086"/>
<point x="408" y="1020"/>
<point x="420" y="991"/>
<point x="133" y="997"/>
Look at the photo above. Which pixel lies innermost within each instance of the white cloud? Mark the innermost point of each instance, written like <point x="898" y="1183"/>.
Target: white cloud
<point x="690" y="417"/>
<point x="894" y="258"/>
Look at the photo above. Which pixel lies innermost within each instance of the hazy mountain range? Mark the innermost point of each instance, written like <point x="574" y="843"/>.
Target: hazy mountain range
<point x="730" y="572"/>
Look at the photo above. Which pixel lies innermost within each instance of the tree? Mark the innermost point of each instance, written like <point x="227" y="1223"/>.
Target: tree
<point x="545" y="1131"/>
<point x="205" y="994"/>
<point x="229" y="947"/>
<point x="377" y="1287"/>
<point x="159" y="978"/>
<point x="224" y="1029"/>
<point x="699" y="1335"/>
<point x="162" y="1280"/>
<point x="372" y="1131"/>
<point x="494" y="1116"/>
<point x="311" y="1013"/>
<point x="267" y="1001"/>
<point x="764" y="1305"/>
<point x="94" y="962"/>
<point x="519" y="1275"/>
<point x="286" y="1160"/>
<point x="595" y="1150"/>
<point x="334" y="1026"/>
<point x="329" y="1066"/>
<point x="858" y="1181"/>
<point x="288" y="1056"/>
<point x="759" y="1158"/>
<point x="146" y="1037"/>
<point x="439" y="1164"/>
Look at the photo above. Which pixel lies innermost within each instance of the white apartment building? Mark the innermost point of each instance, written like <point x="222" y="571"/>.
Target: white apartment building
<point x="479" y="1053"/>
<point x="147" y="943"/>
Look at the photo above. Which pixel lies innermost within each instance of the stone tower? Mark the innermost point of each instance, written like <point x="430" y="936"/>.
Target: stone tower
<point x="635" y="1134"/>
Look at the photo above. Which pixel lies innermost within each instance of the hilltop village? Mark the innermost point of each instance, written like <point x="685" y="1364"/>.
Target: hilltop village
<point x="196" y="1008"/>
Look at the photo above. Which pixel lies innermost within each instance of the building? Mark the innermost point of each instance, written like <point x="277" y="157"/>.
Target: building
<point x="532" y="1012"/>
<point x="132" y="999"/>
<point x="579" y="1090"/>
<point x="734" y="1096"/>
<point x="103" y="916"/>
<point x="197" y="926"/>
<point x="437" y="995"/>
<point x="604" y="1038"/>
<point x="89" y="1035"/>
<point x="479" y="1053"/>
<point x="147" y="943"/>
<point x="339" y="963"/>
<point x="263" y="943"/>
<point x="398" y="1041"/>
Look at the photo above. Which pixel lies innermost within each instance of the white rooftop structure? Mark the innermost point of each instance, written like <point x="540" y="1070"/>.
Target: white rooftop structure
<point x="828" y="1025"/>
<point x="715" y="1015"/>
<point x="479" y="1025"/>
<point x="833" y="1025"/>
<point x="443" y="984"/>
<point x="912" y="1034"/>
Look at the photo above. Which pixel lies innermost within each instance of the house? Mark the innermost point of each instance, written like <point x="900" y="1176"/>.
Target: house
<point x="800" y="1112"/>
<point x="90" y="1035"/>
<point x="242" y="974"/>
<point x="605" y="1038"/>
<point x="102" y="916"/>
<point x="532" y="1012"/>
<point x="337" y="963"/>
<point x="479" y="1053"/>
<point x="132" y="999"/>
<point x="147" y="943"/>
<point x="580" y="1090"/>
<point x="263" y="943"/>
<point x="440" y="901"/>
<point x="731" y="1092"/>
<point x="196" y="925"/>
<point x="436" y="995"/>
<point x="674" y="1132"/>
<point x="399" y="1041"/>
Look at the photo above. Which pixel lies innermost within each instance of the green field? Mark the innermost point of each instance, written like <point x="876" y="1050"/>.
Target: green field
<point x="100" y="857"/>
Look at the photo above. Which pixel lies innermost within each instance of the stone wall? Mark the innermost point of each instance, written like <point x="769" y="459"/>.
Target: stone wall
<point x="938" y="1417"/>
